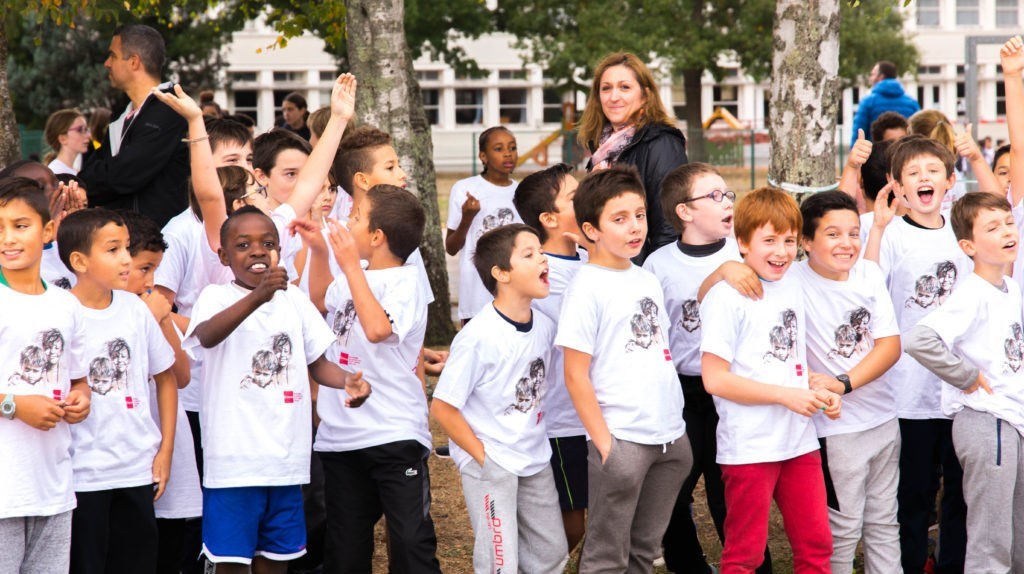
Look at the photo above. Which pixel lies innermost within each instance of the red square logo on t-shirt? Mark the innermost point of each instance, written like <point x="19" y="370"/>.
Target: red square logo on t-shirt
<point x="289" y="397"/>
<point x="58" y="395"/>
<point x="668" y="355"/>
<point x="129" y="402"/>
<point x="799" y="370"/>
<point x="346" y="359"/>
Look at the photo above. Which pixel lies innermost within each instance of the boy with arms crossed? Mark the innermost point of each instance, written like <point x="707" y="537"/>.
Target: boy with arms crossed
<point x="490" y="401"/>
<point x="753" y="362"/>
<point x="375" y="458"/>
<point x="41" y="332"/>
<point x="613" y="330"/>
<point x="544" y="202"/>
<point x="119" y="453"/>
<point x="255" y="343"/>
<point x="973" y="343"/>
<point x="920" y="258"/>
<point x="852" y="340"/>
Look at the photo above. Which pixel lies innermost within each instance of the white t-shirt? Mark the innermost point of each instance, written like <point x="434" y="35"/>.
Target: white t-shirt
<point x="53" y="270"/>
<point x="398" y="409"/>
<point x="496" y="209"/>
<point x="41" y="340"/>
<point x="560" y="415"/>
<point x="844" y="318"/>
<point x="981" y="323"/>
<point x="764" y="341"/>
<point x="913" y="259"/>
<point x="867" y="220"/>
<point x="497" y="376"/>
<point x="1018" y="264"/>
<point x="186" y="242"/>
<point x="256" y="417"/>
<point x="115" y="445"/>
<point x="58" y="167"/>
<point x="680" y="276"/>
<point x="618" y="318"/>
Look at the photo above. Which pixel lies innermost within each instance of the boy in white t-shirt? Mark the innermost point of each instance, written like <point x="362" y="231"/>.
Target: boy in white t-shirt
<point x="121" y="459"/>
<point x="613" y="329"/>
<point x="478" y="204"/>
<point x="698" y="204"/>
<point x="255" y="344"/>
<point x="181" y="505"/>
<point x="973" y="343"/>
<point x="544" y="200"/>
<point x="852" y="340"/>
<point x="490" y="400"/>
<point x="381" y="335"/>
<point x="44" y="325"/>
<point x="919" y="256"/>
<point x="754" y="363"/>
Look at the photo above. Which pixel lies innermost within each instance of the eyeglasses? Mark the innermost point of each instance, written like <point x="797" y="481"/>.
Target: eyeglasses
<point x="717" y="195"/>
<point x="260" y="190"/>
<point x="81" y="129"/>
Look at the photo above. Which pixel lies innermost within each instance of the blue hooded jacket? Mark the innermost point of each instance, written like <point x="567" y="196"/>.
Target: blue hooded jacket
<point x="887" y="96"/>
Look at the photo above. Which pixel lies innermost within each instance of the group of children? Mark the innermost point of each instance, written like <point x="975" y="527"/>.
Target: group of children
<point x="584" y="394"/>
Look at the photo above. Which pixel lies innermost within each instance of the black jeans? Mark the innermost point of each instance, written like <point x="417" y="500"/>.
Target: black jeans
<point x="114" y="531"/>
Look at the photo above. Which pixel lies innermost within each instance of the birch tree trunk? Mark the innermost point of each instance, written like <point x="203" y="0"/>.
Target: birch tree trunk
<point x="10" y="139"/>
<point x="804" y="93"/>
<point x="389" y="98"/>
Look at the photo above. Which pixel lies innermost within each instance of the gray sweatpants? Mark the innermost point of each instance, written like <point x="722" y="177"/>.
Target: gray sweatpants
<point x="632" y="495"/>
<point x="35" y="544"/>
<point x="993" y="460"/>
<point x="517" y="523"/>
<point x="863" y="469"/>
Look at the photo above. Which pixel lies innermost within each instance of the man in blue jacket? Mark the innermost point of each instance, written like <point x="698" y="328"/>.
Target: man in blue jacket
<point x="887" y="95"/>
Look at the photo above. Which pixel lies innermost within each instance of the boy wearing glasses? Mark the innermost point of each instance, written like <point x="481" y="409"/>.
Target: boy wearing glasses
<point x="696" y="201"/>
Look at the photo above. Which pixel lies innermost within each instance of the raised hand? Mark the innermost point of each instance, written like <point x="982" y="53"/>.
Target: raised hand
<point x="470" y="207"/>
<point x="274" y="279"/>
<point x="1011" y="55"/>
<point x="180" y="102"/>
<point x="966" y="146"/>
<point x="343" y="97"/>
<point x="346" y="253"/>
<point x="310" y="233"/>
<point x="884" y="211"/>
<point x="860" y="151"/>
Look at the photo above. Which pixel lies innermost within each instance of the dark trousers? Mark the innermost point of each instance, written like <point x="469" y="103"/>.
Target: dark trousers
<point x="114" y="531"/>
<point x="927" y="443"/>
<point x="170" y="545"/>
<point x="361" y="485"/>
<point x="683" y="551"/>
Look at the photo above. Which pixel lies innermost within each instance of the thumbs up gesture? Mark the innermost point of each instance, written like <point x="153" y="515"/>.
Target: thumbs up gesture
<point x="966" y="146"/>
<point x="859" y="152"/>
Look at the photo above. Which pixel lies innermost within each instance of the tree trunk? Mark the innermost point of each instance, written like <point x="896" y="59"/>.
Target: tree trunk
<point x="695" y="148"/>
<point x="389" y="98"/>
<point x="10" y="139"/>
<point x="804" y="94"/>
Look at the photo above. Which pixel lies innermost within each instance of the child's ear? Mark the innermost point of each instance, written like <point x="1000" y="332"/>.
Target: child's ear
<point x="742" y="246"/>
<point x="222" y="256"/>
<point x="378" y="238"/>
<point x="968" y="247"/>
<point x="49" y="231"/>
<point x="500" y="275"/>
<point x="683" y="213"/>
<point x="548" y="219"/>
<point x="261" y="178"/>
<point x="587" y="229"/>
<point x="79" y="262"/>
<point x="361" y="181"/>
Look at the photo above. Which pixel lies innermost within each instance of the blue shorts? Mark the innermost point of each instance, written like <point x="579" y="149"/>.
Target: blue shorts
<point x="240" y="523"/>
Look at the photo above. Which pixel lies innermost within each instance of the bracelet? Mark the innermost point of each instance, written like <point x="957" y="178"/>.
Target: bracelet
<point x="197" y="140"/>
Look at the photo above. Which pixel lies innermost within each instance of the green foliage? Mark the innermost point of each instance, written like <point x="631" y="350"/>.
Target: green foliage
<point x="872" y="31"/>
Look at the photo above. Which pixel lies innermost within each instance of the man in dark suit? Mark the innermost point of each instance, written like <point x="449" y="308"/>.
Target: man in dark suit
<point x="143" y="163"/>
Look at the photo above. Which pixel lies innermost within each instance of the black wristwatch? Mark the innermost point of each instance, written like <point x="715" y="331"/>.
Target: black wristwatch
<point x="845" y="379"/>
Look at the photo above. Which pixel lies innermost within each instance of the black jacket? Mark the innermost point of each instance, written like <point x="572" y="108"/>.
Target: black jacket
<point x="655" y="150"/>
<point x="151" y="171"/>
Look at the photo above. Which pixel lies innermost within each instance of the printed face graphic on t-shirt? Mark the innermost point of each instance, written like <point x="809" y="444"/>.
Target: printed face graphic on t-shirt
<point x="1013" y="348"/>
<point x="644" y="326"/>
<point x="101" y="375"/>
<point x="39" y="361"/>
<point x="691" y="316"/>
<point x="270" y="365"/>
<point x="932" y="290"/>
<point x="782" y="338"/>
<point x="528" y="388"/>
<point x="343" y="320"/>
<point x="860" y="320"/>
<point x="63" y="283"/>
<point x="109" y="371"/>
<point x="846" y="342"/>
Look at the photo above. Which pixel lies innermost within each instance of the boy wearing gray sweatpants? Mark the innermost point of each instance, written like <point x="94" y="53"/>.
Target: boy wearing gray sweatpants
<point x="975" y="342"/>
<point x="490" y="401"/>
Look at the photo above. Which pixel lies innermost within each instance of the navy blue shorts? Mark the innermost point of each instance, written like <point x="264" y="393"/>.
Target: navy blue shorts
<point x="569" y="463"/>
<point x="240" y="523"/>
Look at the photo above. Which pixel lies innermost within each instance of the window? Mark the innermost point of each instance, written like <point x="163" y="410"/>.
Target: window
<point x="552" y="106"/>
<point x="432" y="105"/>
<point x="512" y="106"/>
<point x="967" y="13"/>
<point x="1006" y="13"/>
<point x="679" y="97"/>
<point x="1000" y="99"/>
<point x="246" y="102"/>
<point x="244" y="77"/>
<point x="428" y="75"/>
<point x="469" y="107"/>
<point x="929" y="70"/>
<point x="927" y="13"/>
<point x="726" y="97"/>
<point x="512" y="74"/>
<point x="291" y="77"/>
<point x="327" y="77"/>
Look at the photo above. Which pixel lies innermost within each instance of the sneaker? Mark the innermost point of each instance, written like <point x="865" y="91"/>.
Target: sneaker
<point x="659" y="561"/>
<point x="442" y="451"/>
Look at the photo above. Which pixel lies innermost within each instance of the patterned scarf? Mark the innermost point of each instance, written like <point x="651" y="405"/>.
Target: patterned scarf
<point x="612" y="144"/>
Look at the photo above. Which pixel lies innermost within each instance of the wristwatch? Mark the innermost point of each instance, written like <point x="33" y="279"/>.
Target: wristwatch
<point x="845" y="379"/>
<point x="7" y="407"/>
